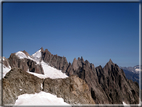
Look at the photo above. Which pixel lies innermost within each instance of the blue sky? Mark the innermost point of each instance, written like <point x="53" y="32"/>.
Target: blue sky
<point x="96" y="31"/>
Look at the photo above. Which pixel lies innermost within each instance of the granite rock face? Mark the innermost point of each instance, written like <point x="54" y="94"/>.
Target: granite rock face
<point x="72" y="89"/>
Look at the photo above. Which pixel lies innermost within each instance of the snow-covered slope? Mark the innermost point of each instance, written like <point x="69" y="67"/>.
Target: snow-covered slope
<point x="37" y="56"/>
<point x="21" y="55"/>
<point x="38" y="99"/>
<point x="4" y="70"/>
<point x="49" y="72"/>
<point x="52" y="72"/>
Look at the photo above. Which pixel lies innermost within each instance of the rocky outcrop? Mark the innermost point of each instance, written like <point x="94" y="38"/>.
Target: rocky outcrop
<point x="16" y="62"/>
<point x="17" y="82"/>
<point x="25" y="64"/>
<point x="33" y="67"/>
<point x="72" y="89"/>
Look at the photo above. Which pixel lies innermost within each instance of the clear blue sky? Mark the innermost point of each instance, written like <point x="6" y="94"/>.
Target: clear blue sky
<point x="96" y="31"/>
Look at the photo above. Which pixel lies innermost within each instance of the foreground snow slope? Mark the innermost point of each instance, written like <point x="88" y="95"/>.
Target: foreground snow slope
<point x="41" y="98"/>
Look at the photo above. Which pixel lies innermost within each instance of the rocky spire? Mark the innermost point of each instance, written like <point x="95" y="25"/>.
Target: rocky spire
<point x="42" y="50"/>
<point x="110" y="62"/>
<point x="82" y="60"/>
<point x="74" y="64"/>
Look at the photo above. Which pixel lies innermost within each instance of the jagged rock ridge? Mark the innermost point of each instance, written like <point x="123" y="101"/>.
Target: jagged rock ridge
<point x="107" y="85"/>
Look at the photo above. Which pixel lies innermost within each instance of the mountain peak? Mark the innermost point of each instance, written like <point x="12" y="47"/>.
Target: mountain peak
<point x="110" y="61"/>
<point x="42" y="50"/>
<point x="26" y="53"/>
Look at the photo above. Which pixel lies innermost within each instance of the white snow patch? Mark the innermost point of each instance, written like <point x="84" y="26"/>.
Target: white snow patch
<point x="126" y="104"/>
<point x="5" y="70"/>
<point x="37" y="54"/>
<point x="20" y="89"/>
<point x="137" y="70"/>
<point x="41" y="98"/>
<point x="21" y="54"/>
<point x="49" y="72"/>
<point x="38" y="75"/>
<point x="52" y="72"/>
<point x="41" y="86"/>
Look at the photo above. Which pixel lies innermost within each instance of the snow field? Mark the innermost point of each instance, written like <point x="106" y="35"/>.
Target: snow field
<point x="41" y="98"/>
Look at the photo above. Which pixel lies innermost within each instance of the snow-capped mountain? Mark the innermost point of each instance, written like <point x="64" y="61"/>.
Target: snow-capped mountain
<point x="49" y="71"/>
<point x="132" y="73"/>
<point x="136" y="69"/>
<point x="53" y="74"/>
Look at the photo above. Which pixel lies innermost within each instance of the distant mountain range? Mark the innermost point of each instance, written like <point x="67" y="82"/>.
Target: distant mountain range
<point x="135" y="69"/>
<point x="132" y="73"/>
<point x="79" y="82"/>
